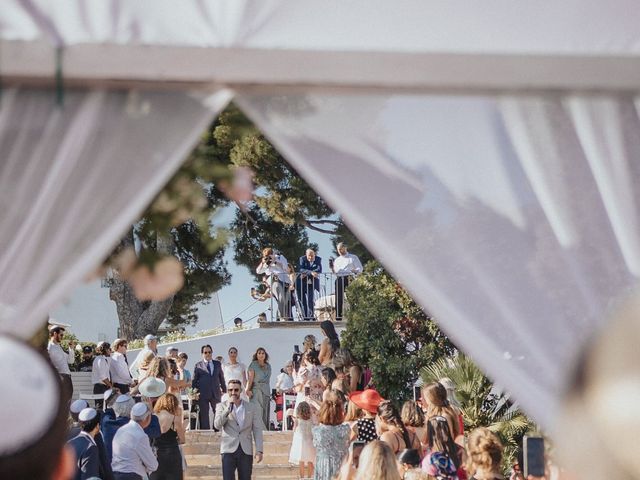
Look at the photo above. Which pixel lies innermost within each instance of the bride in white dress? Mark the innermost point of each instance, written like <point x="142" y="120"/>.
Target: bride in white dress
<point x="235" y="370"/>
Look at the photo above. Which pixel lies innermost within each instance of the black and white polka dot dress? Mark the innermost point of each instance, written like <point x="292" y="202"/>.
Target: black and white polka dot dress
<point x="366" y="429"/>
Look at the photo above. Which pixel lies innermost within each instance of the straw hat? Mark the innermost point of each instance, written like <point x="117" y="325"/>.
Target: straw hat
<point x="367" y="400"/>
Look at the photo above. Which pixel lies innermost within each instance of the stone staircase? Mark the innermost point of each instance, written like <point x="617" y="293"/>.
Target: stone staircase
<point x="202" y="452"/>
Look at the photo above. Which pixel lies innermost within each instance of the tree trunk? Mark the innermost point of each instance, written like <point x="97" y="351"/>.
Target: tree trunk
<point x="137" y="318"/>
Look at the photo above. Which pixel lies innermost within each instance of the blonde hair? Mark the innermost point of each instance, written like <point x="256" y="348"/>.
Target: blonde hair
<point x="331" y="412"/>
<point x="147" y="358"/>
<point x="354" y="412"/>
<point x="167" y="402"/>
<point x="377" y="462"/>
<point x="484" y="451"/>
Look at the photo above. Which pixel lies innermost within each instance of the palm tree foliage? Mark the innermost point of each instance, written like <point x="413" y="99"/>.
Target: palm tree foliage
<point x="482" y="404"/>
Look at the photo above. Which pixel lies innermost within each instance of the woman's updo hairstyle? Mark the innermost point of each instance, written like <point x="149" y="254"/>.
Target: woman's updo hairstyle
<point x="484" y="450"/>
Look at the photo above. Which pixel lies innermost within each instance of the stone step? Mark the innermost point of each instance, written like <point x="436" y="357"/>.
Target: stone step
<point x="214" y="447"/>
<point x="196" y="436"/>
<point x="216" y="459"/>
<point x="291" y="476"/>
<point x="259" y="470"/>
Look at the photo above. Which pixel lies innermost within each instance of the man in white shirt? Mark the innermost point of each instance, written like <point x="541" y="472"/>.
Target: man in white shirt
<point x="344" y="266"/>
<point x="118" y="367"/>
<point x="276" y="268"/>
<point x="150" y="345"/>
<point x="101" y="374"/>
<point x="133" y="458"/>
<point x="61" y="359"/>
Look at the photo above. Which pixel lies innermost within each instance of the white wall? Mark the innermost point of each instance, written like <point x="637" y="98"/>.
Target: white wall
<point x="278" y="342"/>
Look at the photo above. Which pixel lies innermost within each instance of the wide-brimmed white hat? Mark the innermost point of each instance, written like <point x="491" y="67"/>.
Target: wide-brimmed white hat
<point x="152" y="387"/>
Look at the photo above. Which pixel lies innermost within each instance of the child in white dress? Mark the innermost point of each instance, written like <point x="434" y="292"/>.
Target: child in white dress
<point x="302" y="451"/>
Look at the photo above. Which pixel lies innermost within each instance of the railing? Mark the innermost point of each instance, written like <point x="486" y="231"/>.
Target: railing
<point x="303" y="297"/>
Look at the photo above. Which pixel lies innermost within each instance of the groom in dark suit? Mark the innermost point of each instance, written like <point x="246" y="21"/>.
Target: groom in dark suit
<point x="209" y="380"/>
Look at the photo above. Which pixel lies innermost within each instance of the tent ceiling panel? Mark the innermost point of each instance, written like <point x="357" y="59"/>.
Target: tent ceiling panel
<point x="499" y="214"/>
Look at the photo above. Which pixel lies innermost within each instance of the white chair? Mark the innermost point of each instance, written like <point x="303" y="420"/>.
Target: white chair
<point x="288" y="403"/>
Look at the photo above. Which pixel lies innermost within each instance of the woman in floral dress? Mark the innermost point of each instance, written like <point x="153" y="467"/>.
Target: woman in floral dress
<point x="330" y="438"/>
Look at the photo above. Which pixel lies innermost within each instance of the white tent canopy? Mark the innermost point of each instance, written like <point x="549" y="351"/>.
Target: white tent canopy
<point x="485" y="152"/>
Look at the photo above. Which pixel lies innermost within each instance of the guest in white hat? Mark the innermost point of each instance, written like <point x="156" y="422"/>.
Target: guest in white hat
<point x="32" y="428"/>
<point x="133" y="458"/>
<point x="84" y="445"/>
<point x="74" y="410"/>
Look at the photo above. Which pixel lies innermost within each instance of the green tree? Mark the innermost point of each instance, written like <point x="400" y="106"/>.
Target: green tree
<point x="390" y="333"/>
<point x="482" y="404"/>
<point x="284" y="205"/>
<point x="177" y="224"/>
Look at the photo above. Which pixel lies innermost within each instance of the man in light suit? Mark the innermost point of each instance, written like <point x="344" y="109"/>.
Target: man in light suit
<point x="208" y="378"/>
<point x="241" y="425"/>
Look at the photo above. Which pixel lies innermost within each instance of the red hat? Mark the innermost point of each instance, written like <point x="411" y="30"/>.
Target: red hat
<point x="367" y="400"/>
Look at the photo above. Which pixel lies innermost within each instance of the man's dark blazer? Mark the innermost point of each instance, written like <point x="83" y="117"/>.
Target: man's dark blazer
<point x="209" y="386"/>
<point x="87" y="457"/>
<point x="305" y="266"/>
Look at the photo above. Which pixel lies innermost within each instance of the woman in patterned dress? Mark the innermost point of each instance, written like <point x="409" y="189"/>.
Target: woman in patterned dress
<point x="330" y="438"/>
<point x="368" y="401"/>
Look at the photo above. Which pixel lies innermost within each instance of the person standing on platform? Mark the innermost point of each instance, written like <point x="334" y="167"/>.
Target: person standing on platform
<point x="309" y="268"/>
<point x="61" y="359"/>
<point x="276" y="268"/>
<point x="344" y="267"/>
<point x="208" y="378"/>
<point x="241" y="425"/>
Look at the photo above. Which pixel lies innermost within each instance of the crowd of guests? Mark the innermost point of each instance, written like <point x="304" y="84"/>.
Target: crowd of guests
<point x="361" y="436"/>
<point x="296" y="287"/>
<point x="342" y="427"/>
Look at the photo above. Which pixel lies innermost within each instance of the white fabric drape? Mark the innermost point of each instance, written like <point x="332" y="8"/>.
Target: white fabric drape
<point x="502" y="216"/>
<point x="73" y="178"/>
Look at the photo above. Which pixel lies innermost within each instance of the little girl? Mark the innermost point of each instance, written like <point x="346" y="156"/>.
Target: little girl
<point x="302" y="450"/>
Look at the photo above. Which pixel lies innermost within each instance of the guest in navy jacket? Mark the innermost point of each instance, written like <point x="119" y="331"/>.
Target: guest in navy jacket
<point x="309" y="268"/>
<point x="208" y="378"/>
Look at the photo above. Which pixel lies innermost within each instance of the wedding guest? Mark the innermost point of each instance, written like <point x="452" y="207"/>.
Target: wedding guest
<point x="344" y="267"/>
<point x="330" y="438"/>
<point x="119" y="368"/>
<point x="84" y="445"/>
<point x="258" y="387"/>
<point x="61" y="359"/>
<point x="284" y="381"/>
<point x="150" y="346"/>
<point x="100" y="374"/>
<point x="169" y="412"/>
<point x="330" y="344"/>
